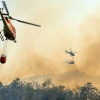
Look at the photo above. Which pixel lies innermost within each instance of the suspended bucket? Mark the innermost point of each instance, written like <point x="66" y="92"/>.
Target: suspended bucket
<point x="3" y="59"/>
<point x="4" y="53"/>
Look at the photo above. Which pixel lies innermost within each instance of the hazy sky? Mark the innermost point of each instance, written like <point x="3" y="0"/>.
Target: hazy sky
<point x="64" y="24"/>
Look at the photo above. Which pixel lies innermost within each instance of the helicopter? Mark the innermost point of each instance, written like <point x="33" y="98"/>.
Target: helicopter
<point x="71" y="52"/>
<point x="9" y="32"/>
<point x="9" y="29"/>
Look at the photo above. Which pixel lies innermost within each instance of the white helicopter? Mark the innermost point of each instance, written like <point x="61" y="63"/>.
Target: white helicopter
<point x="71" y="52"/>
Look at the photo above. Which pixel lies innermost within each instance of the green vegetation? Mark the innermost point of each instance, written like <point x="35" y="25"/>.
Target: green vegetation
<point x="18" y="90"/>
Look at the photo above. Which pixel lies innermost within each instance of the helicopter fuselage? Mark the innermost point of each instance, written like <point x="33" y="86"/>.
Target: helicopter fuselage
<point x="9" y="30"/>
<point x="71" y="53"/>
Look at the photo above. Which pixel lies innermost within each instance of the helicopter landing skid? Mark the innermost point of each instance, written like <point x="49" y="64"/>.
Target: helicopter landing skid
<point x="1" y="36"/>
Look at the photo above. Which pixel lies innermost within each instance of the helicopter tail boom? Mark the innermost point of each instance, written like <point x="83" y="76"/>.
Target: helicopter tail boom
<point x="66" y="51"/>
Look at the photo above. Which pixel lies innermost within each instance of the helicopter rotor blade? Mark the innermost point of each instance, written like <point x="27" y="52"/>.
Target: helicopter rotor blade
<point x="4" y="4"/>
<point x="28" y="23"/>
<point x="75" y="52"/>
<point x="70" y="50"/>
<point x="24" y="22"/>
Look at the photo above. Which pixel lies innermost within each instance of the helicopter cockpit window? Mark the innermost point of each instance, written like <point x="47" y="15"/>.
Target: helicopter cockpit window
<point x="6" y="18"/>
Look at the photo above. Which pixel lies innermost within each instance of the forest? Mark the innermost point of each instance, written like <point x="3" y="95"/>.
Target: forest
<point x="19" y="90"/>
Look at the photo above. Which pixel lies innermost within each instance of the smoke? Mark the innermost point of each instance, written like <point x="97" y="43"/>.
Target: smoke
<point x="67" y="79"/>
<point x="91" y="50"/>
<point x="40" y="51"/>
<point x="69" y="60"/>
